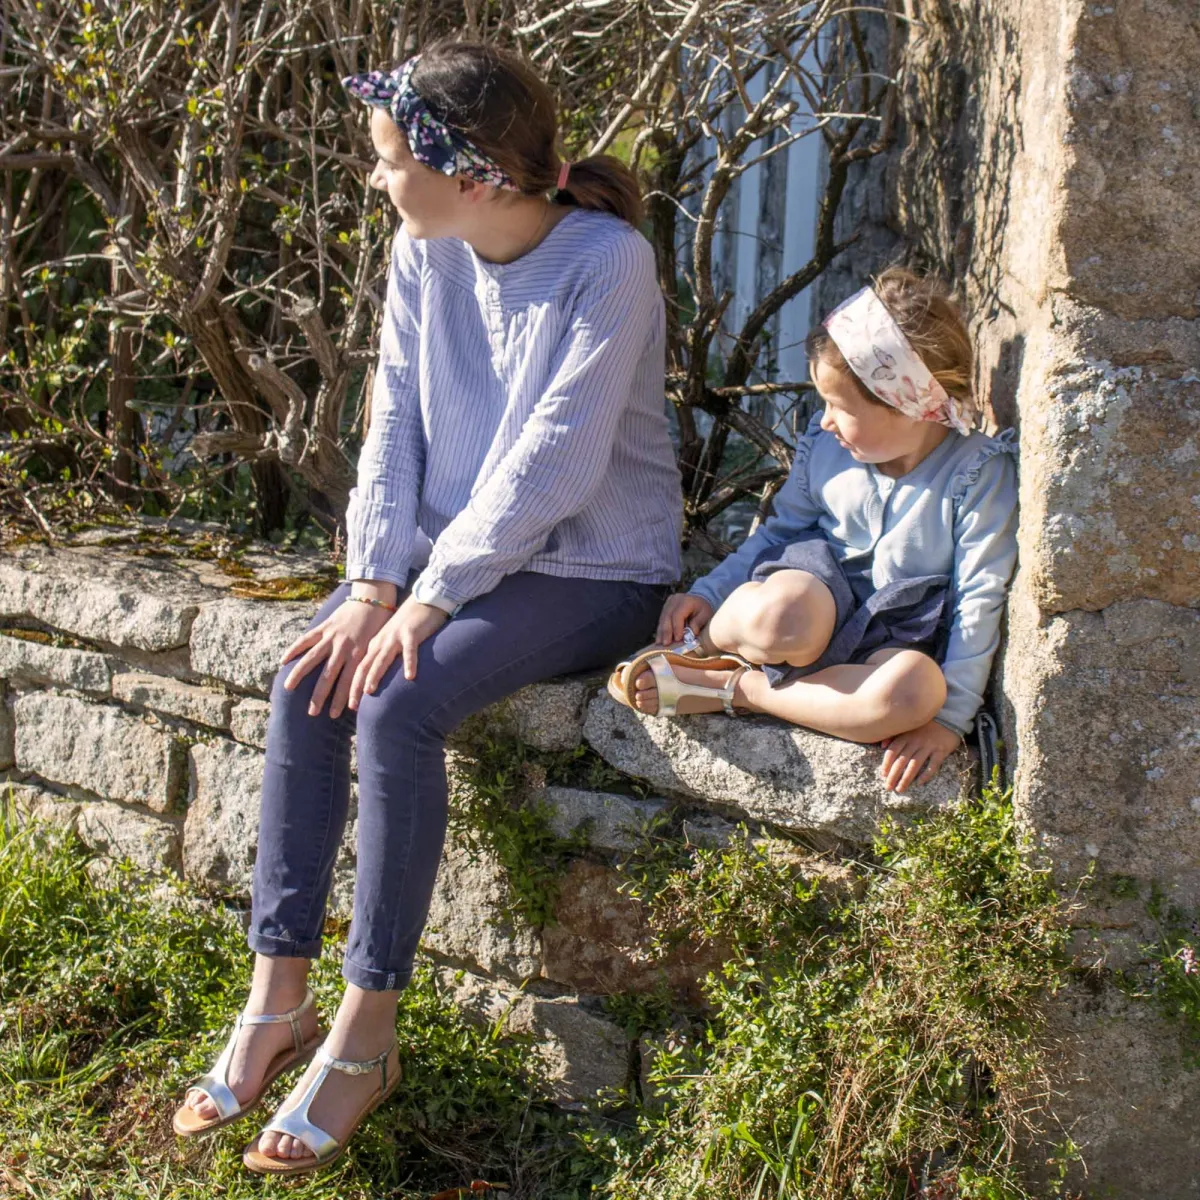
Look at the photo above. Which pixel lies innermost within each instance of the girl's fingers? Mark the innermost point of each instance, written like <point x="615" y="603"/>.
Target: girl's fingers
<point x="317" y="654"/>
<point x="325" y="682"/>
<point x="933" y="766"/>
<point x="899" y="766"/>
<point x="409" y="646"/>
<point x="341" y="693"/>
<point x="309" y="638"/>
<point x="912" y="771"/>
<point x="359" y="680"/>
<point x="384" y="656"/>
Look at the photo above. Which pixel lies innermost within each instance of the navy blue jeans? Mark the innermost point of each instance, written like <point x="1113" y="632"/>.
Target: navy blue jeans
<point x="531" y="627"/>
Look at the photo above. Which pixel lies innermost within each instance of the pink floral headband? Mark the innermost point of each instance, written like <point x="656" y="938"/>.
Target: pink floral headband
<point x="881" y="356"/>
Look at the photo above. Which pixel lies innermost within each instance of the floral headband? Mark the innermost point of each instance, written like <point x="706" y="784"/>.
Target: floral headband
<point x="881" y="356"/>
<point x="431" y="141"/>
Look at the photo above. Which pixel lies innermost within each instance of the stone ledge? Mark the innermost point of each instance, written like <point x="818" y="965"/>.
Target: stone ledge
<point x="103" y="596"/>
<point x="241" y="642"/>
<point x="610" y="822"/>
<point x="24" y="661"/>
<point x="174" y="699"/>
<point x="774" y="772"/>
<point x="97" y="747"/>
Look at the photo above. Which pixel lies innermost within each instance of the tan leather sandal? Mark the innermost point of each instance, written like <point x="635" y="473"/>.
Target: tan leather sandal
<point x="187" y="1122"/>
<point x="294" y="1120"/>
<point x="622" y="686"/>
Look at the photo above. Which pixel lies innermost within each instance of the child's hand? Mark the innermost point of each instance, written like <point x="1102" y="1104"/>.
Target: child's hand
<point x="682" y="609"/>
<point x="927" y="746"/>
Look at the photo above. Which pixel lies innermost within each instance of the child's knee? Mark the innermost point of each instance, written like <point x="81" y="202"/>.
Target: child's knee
<point x="792" y="613"/>
<point x="914" y="688"/>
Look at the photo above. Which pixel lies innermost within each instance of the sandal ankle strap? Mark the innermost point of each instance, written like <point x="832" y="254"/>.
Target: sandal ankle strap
<point x="292" y="1017"/>
<point x="360" y="1066"/>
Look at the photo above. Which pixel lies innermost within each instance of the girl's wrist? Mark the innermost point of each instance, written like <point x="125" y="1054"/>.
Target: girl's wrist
<point x="375" y="589"/>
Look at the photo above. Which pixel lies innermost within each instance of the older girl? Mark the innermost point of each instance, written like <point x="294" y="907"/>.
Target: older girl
<point x="872" y="599"/>
<point x="516" y="517"/>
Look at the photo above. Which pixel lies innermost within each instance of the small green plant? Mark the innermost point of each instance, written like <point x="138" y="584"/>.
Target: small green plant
<point x="852" y="1043"/>
<point x="1172" y="977"/>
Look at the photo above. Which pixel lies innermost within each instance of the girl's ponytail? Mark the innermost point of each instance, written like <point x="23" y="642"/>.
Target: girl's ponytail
<point x="604" y="183"/>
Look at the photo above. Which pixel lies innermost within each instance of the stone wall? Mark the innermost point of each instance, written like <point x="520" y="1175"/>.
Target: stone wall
<point x="135" y="669"/>
<point x="1051" y="165"/>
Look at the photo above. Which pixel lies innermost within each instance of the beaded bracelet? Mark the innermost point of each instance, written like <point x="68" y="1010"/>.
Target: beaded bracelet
<point x="376" y="603"/>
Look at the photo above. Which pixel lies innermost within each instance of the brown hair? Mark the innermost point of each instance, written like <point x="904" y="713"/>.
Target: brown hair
<point x="931" y="321"/>
<point x="496" y="100"/>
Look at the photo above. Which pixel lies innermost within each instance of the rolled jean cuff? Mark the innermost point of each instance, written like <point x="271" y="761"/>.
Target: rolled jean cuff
<point x="274" y="947"/>
<point x="371" y="980"/>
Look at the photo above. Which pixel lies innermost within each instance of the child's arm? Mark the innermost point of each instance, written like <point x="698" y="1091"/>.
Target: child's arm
<point x="795" y="512"/>
<point x="985" y="553"/>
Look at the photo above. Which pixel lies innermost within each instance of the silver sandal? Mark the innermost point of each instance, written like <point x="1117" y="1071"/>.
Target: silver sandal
<point x="672" y="689"/>
<point x="215" y="1085"/>
<point x="294" y="1121"/>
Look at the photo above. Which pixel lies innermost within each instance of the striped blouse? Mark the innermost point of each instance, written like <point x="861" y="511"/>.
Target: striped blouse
<point x="518" y="419"/>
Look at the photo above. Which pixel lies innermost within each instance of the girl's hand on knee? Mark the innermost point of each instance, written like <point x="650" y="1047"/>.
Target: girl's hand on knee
<point x="915" y="756"/>
<point x="401" y="636"/>
<point x="682" y="609"/>
<point x="340" y="641"/>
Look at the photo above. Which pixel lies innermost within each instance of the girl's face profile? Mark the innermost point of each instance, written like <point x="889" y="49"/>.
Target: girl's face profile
<point x="873" y="433"/>
<point x="428" y="201"/>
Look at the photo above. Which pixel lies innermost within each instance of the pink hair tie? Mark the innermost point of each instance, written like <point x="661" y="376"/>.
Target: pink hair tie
<point x="563" y="172"/>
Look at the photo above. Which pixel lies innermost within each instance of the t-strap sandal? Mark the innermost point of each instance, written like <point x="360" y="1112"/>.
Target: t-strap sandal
<point x="670" y="687"/>
<point x="187" y="1122"/>
<point x="294" y="1121"/>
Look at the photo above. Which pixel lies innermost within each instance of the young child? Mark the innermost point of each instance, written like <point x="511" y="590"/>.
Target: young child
<point x="869" y="605"/>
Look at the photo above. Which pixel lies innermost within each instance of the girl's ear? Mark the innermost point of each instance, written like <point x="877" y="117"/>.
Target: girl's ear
<point x="471" y="190"/>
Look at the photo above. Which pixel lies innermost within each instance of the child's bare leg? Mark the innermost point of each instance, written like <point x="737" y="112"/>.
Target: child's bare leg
<point x="788" y="618"/>
<point x="894" y="691"/>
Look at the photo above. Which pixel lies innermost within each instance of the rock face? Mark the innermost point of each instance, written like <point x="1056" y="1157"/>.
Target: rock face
<point x="241" y="642"/>
<point x="1064" y="198"/>
<point x="581" y="1056"/>
<point x="169" y="696"/>
<point x="220" y="835"/>
<point x="787" y="776"/>
<point x="113" y="599"/>
<point x="610" y="822"/>
<point x="98" y="748"/>
<point x="24" y="661"/>
<point x="466" y="925"/>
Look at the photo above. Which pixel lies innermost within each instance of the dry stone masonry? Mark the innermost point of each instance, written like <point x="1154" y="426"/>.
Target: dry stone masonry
<point x="134" y="710"/>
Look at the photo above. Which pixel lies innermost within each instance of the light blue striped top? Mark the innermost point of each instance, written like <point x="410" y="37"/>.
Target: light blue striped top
<point x="518" y="419"/>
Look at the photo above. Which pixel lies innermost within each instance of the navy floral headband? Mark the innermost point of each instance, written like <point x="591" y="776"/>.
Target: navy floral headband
<point x="431" y="141"/>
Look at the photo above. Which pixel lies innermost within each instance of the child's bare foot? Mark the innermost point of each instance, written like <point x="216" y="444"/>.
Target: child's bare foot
<point x="646" y="690"/>
<point x="257" y="1046"/>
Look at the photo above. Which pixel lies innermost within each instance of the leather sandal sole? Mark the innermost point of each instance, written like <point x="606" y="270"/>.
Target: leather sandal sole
<point x="186" y="1127"/>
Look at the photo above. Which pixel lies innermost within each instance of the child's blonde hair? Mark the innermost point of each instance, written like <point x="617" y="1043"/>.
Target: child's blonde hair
<point x="929" y="318"/>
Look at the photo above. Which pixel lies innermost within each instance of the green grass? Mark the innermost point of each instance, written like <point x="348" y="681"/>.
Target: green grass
<point x="856" y="1042"/>
<point x="115" y="993"/>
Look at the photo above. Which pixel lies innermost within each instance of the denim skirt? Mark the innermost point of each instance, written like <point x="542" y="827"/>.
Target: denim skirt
<point x="908" y="613"/>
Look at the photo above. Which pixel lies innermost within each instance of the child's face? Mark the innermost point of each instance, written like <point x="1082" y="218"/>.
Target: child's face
<point x="873" y="433"/>
<point x="428" y="201"/>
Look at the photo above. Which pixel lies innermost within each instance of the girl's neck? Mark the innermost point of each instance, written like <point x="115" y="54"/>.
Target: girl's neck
<point x="931" y="436"/>
<point x="511" y="231"/>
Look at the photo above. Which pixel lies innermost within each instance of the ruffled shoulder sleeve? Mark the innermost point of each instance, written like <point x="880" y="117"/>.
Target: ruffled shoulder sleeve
<point x="967" y="475"/>
<point x="804" y="445"/>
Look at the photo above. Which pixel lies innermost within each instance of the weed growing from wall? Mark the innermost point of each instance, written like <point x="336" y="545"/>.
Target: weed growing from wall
<point x="863" y="1047"/>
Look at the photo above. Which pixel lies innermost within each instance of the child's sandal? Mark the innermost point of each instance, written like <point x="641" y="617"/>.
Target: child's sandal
<point x="671" y="689"/>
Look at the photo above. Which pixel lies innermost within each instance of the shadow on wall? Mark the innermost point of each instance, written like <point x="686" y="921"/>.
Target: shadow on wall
<point x="1005" y="379"/>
